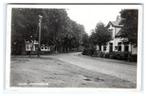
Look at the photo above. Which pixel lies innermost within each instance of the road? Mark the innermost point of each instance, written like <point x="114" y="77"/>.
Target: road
<point x="71" y="70"/>
<point x="121" y="69"/>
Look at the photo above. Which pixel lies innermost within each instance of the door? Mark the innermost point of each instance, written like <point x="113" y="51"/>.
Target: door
<point x="110" y="47"/>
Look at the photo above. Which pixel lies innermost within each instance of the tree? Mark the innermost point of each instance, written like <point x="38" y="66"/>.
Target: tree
<point x="100" y="35"/>
<point x="85" y="41"/>
<point x="130" y="25"/>
<point x="57" y="28"/>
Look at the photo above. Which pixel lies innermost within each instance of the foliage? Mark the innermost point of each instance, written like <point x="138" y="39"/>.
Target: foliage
<point x="57" y="28"/>
<point x="100" y="35"/>
<point x="85" y="40"/>
<point x="88" y="51"/>
<point x="119" y="55"/>
<point x="130" y="24"/>
<point x="112" y="55"/>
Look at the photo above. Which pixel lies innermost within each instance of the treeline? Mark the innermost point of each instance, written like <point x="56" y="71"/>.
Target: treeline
<point x="99" y="36"/>
<point x="57" y="29"/>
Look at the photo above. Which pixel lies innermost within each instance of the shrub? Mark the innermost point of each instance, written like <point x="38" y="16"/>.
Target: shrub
<point x="88" y="51"/>
<point x="112" y="55"/>
<point x="119" y="55"/>
<point x="107" y="55"/>
<point x="133" y="58"/>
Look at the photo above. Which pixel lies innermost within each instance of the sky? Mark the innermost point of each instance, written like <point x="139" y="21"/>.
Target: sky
<point x="90" y="16"/>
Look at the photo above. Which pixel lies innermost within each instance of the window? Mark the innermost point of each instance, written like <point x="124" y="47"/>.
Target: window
<point x="99" y="48"/>
<point x="119" y="46"/>
<point x="126" y="48"/>
<point x="116" y="47"/>
<point x="110" y="47"/>
<point x="110" y="30"/>
<point x="111" y="44"/>
<point x="105" y="47"/>
<point x="42" y="47"/>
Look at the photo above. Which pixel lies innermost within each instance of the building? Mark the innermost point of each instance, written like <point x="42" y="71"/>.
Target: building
<point x="33" y="45"/>
<point x="117" y="44"/>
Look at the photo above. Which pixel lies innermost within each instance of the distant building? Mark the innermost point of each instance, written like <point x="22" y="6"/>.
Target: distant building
<point x="33" y="45"/>
<point x="117" y="44"/>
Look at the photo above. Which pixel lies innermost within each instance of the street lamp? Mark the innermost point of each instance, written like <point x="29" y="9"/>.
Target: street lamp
<point x="40" y="20"/>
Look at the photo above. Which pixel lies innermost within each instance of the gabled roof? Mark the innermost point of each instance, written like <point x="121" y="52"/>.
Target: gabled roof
<point x="114" y="24"/>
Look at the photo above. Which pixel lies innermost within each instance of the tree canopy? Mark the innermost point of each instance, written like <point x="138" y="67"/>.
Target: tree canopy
<point x="130" y="24"/>
<point x="100" y="35"/>
<point x="57" y="28"/>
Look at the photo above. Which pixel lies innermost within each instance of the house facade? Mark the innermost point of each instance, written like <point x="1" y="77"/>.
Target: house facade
<point x="117" y="44"/>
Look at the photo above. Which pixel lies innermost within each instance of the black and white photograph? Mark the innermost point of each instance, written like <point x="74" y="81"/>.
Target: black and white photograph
<point x="73" y="46"/>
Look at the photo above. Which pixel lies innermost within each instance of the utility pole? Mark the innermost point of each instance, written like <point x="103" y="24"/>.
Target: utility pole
<point x="39" y="39"/>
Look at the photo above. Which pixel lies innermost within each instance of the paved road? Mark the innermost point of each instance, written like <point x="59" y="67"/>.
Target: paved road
<point x="121" y="69"/>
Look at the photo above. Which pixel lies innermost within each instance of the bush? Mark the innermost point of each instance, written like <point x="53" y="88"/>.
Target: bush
<point x="112" y="55"/>
<point x="88" y="51"/>
<point x="133" y="58"/>
<point x="119" y="55"/>
<point x="107" y="55"/>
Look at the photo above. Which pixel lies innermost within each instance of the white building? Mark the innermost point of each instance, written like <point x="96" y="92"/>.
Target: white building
<point x="33" y="45"/>
<point x="117" y="44"/>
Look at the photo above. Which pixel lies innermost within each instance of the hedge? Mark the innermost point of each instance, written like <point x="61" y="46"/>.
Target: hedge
<point x="112" y="55"/>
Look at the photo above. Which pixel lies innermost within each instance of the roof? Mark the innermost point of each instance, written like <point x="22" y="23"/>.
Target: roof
<point x="115" y="24"/>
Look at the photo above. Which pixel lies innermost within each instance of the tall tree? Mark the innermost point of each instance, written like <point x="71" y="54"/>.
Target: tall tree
<point x="130" y="25"/>
<point x="85" y="40"/>
<point x="57" y="28"/>
<point x="100" y="35"/>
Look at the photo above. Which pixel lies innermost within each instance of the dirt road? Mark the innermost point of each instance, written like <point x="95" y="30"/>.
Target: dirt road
<point x="121" y="69"/>
<point x="71" y="70"/>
